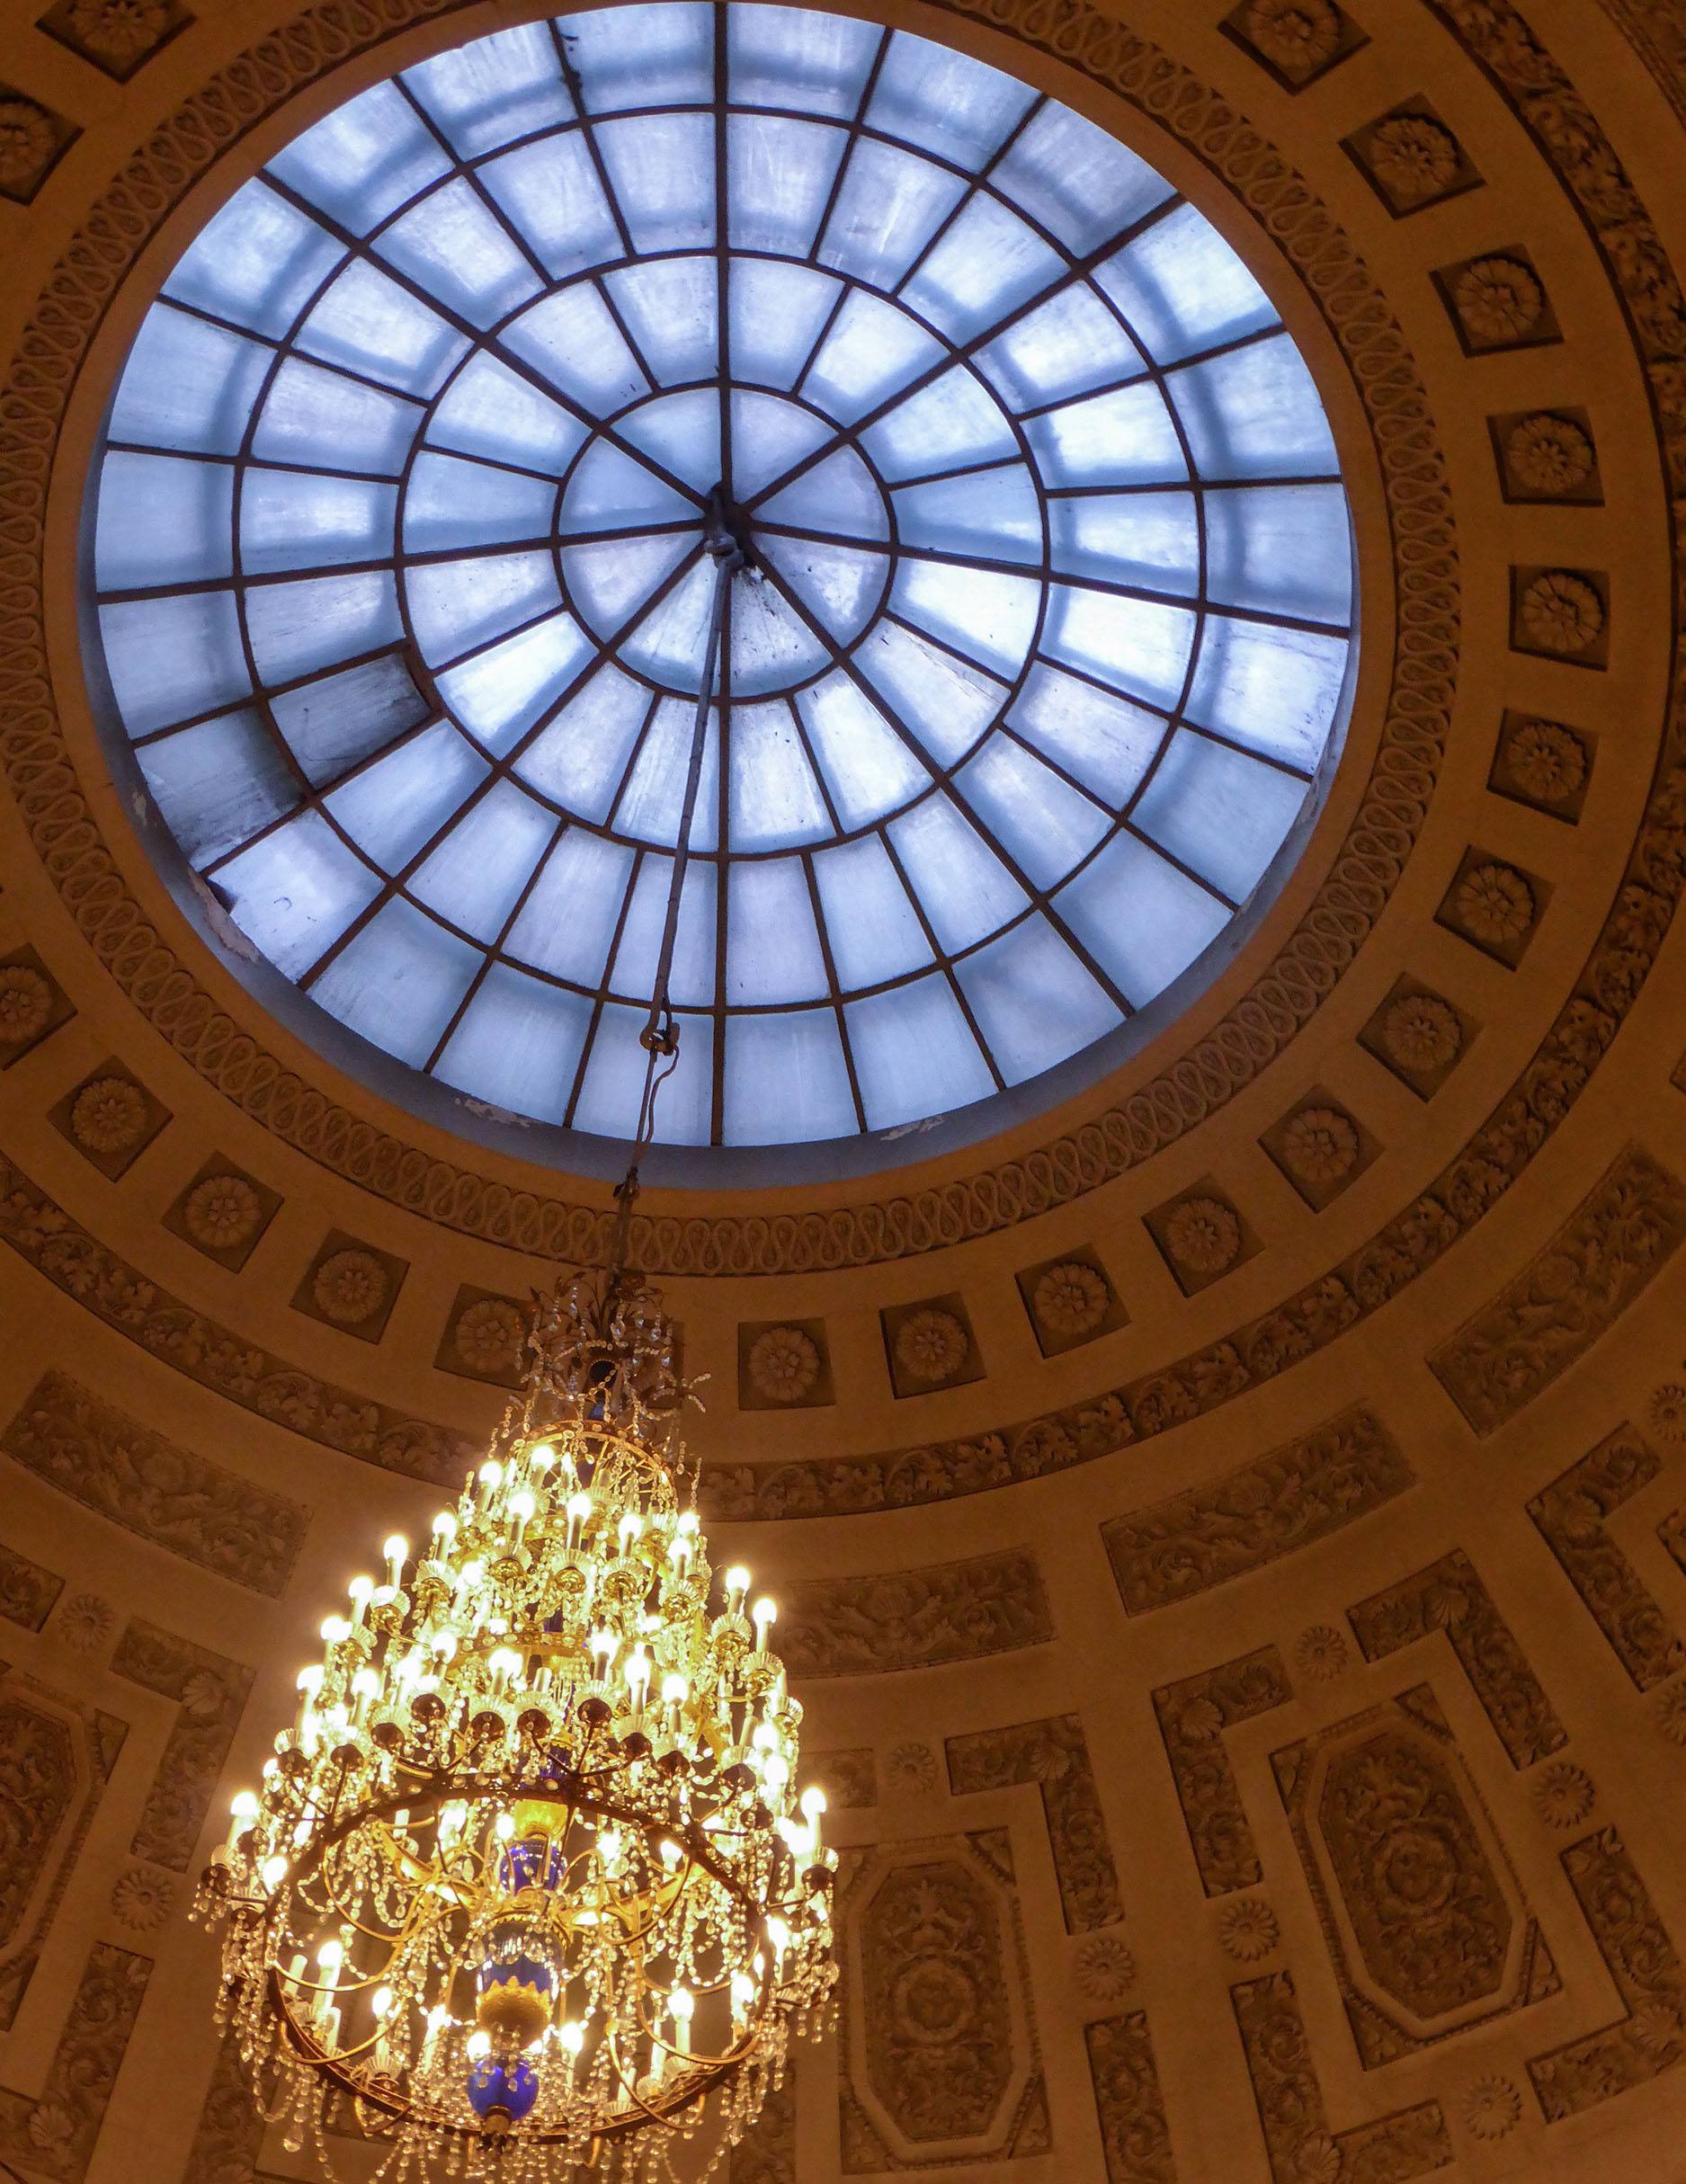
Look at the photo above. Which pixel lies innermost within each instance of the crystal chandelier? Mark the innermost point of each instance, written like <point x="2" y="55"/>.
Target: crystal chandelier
<point x="527" y="1885"/>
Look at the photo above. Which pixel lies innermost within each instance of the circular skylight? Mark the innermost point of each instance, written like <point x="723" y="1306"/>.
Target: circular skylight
<point x="404" y="585"/>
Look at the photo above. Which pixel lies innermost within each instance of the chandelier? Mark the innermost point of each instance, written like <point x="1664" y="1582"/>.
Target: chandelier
<point x="527" y="1887"/>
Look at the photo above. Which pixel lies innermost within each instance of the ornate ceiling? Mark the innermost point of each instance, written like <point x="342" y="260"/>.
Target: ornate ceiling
<point x="1232" y="1531"/>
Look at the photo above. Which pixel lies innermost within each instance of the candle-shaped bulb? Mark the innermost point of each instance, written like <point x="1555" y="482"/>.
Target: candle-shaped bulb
<point x="543" y="1457"/>
<point x="736" y="1586"/>
<point x="335" y="1630"/>
<point x="380" y="2003"/>
<point x="573" y="2038"/>
<point x="675" y="1691"/>
<point x="243" y="1805"/>
<point x="764" y="1614"/>
<point x="505" y="1826"/>
<point x="445" y="1526"/>
<point x="681" y="2005"/>
<point x="273" y="1872"/>
<point x="491" y="1474"/>
<point x="397" y="1550"/>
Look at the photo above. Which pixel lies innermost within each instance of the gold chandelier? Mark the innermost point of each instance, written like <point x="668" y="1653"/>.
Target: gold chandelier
<point x="528" y="1882"/>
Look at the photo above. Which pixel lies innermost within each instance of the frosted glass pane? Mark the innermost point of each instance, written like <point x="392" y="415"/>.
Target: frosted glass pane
<point x="518" y="1045"/>
<point x="187" y="385"/>
<point x="1182" y="288"/>
<point x="314" y="415"/>
<point x="398" y="981"/>
<point x="1140" y="917"/>
<point x="551" y="191"/>
<point x="611" y="583"/>
<point x="452" y="503"/>
<point x="1106" y="743"/>
<point x="1148" y="538"/>
<point x="949" y="422"/>
<point x="581" y="757"/>
<point x="793" y="57"/>
<point x="777" y="313"/>
<point x="1276" y="691"/>
<point x="490" y="410"/>
<point x="1122" y="438"/>
<point x="639" y="949"/>
<point x="772" y="951"/>
<point x="362" y="161"/>
<point x="1045" y="823"/>
<point x="1077" y="181"/>
<point x="1067" y="346"/>
<point x="452" y="245"/>
<point x="294" y="893"/>
<point x="395" y="807"/>
<point x="776" y="801"/>
<point x="870" y="353"/>
<point x="499" y="88"/>
<point x="986" y="263"/>
<point x="939" y="100"/>
<point x="938" y="698"/>
<point x="575" y="344"/>
<point x="836" y="497"/>
<point x="162" y="520"/>
<point x="870" y="922"/>
<point x="840" y="585"/>
<point x="217" y="784"/>
<point x="915" y="1054"/>
<point x="870" y="768"/>
<point x="889" y="209"/>
<point x="292" y="521"/>
<point x="1219" y="813"/>
<point x="1253" y="413"/>
<point x="476" y="876"/>
<point x="170" y="659"/>
<point x="1034" y="1000"/>
<point x="339" y="720"/>
<point x="653" y="166"/>
<point x="1136" y="645"/>
<point x="296" y="628"/>
<point x="683" y="435"/>
<point x="258" y="263"/>
<point x="670" y="307"/>
<point x="614" y="1079"/>
<point x="990" y="617"/>
<point x="779" y="178"/>
<point x="650" y="804"/>
<point x="668" y="644"/>
<point x="786" y="1079"/>
<point x="658" y="54"/>
<point x="772" y="646"/>
<point x="614" y="491"/>
<point x="566" y="923"/>
<point x="368" y="323"/>
<point x="768" y="437"/>
<point x="1282" y="549"/>
<point x="993" y="513"/>
<point x="964" y="890"/>
<point x="458" y="606"/>
<point x="505" y="687"/>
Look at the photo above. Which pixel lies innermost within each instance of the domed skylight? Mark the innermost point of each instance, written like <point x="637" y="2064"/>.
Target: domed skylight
<point x="402" y="585"/>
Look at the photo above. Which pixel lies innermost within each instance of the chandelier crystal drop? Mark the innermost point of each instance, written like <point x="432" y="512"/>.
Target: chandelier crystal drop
<point x="528" y="1886"/>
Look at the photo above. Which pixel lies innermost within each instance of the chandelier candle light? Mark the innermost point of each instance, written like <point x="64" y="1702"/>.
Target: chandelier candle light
<point x="527" y="1885"/>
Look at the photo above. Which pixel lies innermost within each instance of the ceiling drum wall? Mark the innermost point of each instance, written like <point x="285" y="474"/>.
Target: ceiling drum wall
<point x="1229" y="1522"/>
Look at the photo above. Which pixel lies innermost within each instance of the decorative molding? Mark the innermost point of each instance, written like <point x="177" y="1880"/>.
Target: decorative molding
<point x="1193" y="1714"/>
<point x="1231" y="1526"/>
<point x="849" y="1778"/>
<point x="903" y="1619"/>
<point x="210" y="1695"/>
<point x="1449" y="1598"/>
<point x="54" y="2136"/>
<point x="1571" y="1514"/>
<point x="1646" y="1973"/>
<point x="1054" y="1754"/>
<point x="1300" y="2146"/>
<point x="230" y="2131"/>
<point x="109" y="1117"/>
<point x="1135" y="2137"/>
<point x="162" y="1494"/>
<point x="930" y="1345"/>
<point x="27" y="1592"/>
<point x="1613" y="1245"/>
<point x="783" y="1365"/>
<point x="33" y="1005"/>
<point x="1411" y="158"/>
<point x="766" y="2154"/>
<point x="115" y="36"/>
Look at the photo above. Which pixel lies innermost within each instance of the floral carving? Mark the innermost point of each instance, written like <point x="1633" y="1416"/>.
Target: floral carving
<point x="109" y="1114"/>
<point x="1319" y="1145"/>
<point x="1494" y="903"/>
<point x="1106" y="1970"/>
<point x="1193" y="1714"/>
<point x="54" y="2136"/>
<point x="914" y="1619"/>
<point x="1571" y="1514"/>
<point x="119" y="30"/>
<point x="28" y="141"/>
<point x="1547" y="761"/>
<point x="350" y="1287"/>
<point x="1054" y="1755"/>
<point x="1135" y="2139"/>
<point x="1563" y="1795"/>
<point x="162" y="1492"/>
<point x="1320" y="1652"/>
<point x="1449" y="1598"/>
<point x="1548" y="454"/>
<point x="1413" y="157"/>
<point x="26" y="999"/>
<point x="230" y="2130"/>
<point x="913" y="1765"/>
<point x="930" y="1345"/>
<point x="1422" y="1032"/>
<point x="87" y="1622"/>
<point x="1280" y="1502"/>
<point x="222" y="1213"/>
<point x="784" y="1364"/>
<point x="1300" y="36"/>
<point x="142" y="1899"/>
<point x="1491" y="2107"/>
<point x="210" y="1695"/>
<point x="1248" y="1929"/>
<point x="1560" y="612"/>
<point x="1203" y="1234"/>
<point x="489" y="1335"/>
<point x="1614" y="1245"/>
<point x="1666" y="1414"/>
<point x="1671" y="1711"/>
<point x="27" y="1591"/>
<point x="850" y="1778"/>
<point x="1498" y="300"/>
<point x="1070" y="1299"/>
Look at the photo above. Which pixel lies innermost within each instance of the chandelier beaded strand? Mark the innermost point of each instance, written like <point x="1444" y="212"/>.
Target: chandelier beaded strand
<point x="527" y="1885"/>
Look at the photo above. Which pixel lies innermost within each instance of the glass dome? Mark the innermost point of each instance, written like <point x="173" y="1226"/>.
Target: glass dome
<point x="402" y="583"/>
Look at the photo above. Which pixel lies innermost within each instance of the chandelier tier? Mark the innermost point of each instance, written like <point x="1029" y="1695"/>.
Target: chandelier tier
<point x="527" y="1885"/>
